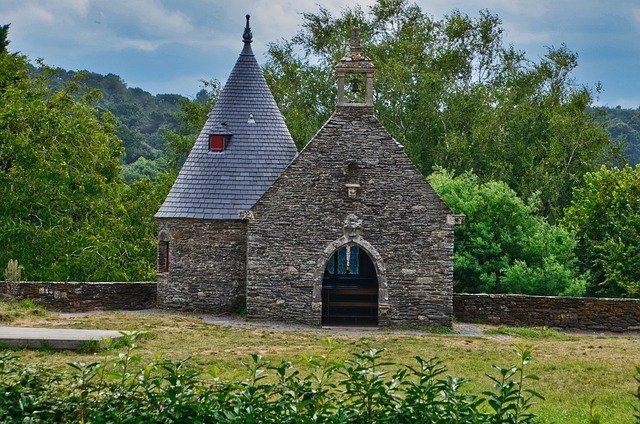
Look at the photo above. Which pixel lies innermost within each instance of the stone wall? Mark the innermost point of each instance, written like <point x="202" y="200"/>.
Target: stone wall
<point x="207" y="264"/>
<point x="579" y="313"/>
<point x="391" y="213"/>
<point x="78" y="297"/>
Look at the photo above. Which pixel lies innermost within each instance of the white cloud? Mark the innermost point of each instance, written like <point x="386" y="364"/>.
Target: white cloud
<point x="135" y="44"/>
<point x="79" y="7"/>
<point x="149" y="15"/>
<point x="30" y="13"/>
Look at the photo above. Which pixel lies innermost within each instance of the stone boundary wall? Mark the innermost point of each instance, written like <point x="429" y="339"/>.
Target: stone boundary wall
<point x="577" y="313"/>
<point x="80" y="297"/>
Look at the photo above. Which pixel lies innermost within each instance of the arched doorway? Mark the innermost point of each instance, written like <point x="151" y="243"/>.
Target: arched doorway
<point x="350" y="288"/>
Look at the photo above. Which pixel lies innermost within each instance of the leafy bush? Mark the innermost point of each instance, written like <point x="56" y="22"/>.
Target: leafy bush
<point x="605" y="214"/>
<point x="504" y="246"/>
<point x="363" y="389"/>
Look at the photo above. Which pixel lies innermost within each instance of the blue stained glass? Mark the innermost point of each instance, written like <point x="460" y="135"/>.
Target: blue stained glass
<point x="341" y="266"/>
<point x="354" y="260"/>
<point x="331" y="265"/>
<point x="342" y="261"/>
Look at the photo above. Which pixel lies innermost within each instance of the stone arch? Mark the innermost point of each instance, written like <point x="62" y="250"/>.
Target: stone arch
<point x="378" y="263"/>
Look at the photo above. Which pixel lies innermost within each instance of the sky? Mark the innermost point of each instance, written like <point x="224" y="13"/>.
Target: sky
<point x="169" y="46"/>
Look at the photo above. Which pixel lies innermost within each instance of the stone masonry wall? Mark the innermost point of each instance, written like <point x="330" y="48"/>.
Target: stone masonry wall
<point x="207" y="265"/>
<point x="580" y="313"/>
<point x="79" y="297"/>
<point x="395" y="216"/>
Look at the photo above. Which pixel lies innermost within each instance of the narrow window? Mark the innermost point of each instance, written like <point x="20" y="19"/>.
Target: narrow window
<point x="216" y="142"/>
<point x="163" y="256"/>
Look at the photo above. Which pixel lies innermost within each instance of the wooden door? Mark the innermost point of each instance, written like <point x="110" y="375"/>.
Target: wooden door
<point x="350" y="289"/>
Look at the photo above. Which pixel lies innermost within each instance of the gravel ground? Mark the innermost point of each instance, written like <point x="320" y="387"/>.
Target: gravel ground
<point x="236" y="321"/>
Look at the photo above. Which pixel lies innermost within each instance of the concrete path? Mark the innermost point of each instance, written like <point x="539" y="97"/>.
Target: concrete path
<point x="56" y="338"/>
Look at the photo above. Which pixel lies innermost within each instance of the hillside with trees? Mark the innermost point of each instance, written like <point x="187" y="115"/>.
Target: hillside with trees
<point x="624" y="127"/>
<point x="144" y="122"/>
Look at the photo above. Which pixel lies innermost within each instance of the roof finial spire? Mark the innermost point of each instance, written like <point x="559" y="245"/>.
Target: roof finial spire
<point x="355" y="68"/>
<point x="247" y="37"/>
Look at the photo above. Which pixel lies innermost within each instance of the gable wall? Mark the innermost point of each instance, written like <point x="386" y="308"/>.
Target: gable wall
<point x="302" y="215"/>
<point x="207" y="262"/>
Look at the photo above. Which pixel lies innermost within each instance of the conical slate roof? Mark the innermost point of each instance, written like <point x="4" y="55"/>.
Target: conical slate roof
<point x="219" y="185"/>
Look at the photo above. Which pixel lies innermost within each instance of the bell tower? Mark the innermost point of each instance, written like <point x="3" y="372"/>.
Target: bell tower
<point x="355" y="76"/>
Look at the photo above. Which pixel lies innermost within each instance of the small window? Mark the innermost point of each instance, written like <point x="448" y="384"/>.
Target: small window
<point x="216" y="142"/>
<point x="163" y="256"/>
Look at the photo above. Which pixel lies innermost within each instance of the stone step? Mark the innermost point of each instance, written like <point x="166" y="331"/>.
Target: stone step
<point x="53" y="338"/>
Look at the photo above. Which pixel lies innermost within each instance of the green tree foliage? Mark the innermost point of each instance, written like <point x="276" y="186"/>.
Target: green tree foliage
<point x="4" y="39"/>
<point x="65" y="212"/>
<point x="452" y="92"/>
<point x="605" y="214"/>
<point x="504" y="246"/>
<point x="624" y="127"/>
<point x="144" y="168"/>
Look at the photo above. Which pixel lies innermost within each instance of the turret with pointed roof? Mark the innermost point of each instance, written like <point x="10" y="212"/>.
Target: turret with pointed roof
<point x="243" y="148"/>
<point x="220" y="185"/>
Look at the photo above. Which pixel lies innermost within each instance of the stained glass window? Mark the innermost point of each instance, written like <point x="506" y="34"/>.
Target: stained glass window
<point x="354" y="268"/>
<point x="331" y="265"/>
<point x="345" y="261"/>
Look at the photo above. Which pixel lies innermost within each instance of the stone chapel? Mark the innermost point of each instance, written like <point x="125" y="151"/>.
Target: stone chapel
<point x="347" y="232"/>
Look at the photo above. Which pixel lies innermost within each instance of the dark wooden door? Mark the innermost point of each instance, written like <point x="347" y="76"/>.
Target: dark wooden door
<point x="350" y="289"/>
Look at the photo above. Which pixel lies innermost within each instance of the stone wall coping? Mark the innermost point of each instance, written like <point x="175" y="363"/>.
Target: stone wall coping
<point x="79" y="282"/>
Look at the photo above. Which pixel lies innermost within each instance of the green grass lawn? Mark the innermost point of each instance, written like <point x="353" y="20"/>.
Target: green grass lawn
<point x="573" y="369"/>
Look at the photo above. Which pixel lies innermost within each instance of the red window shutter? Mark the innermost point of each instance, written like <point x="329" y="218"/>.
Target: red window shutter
<point x="216" y="142"/>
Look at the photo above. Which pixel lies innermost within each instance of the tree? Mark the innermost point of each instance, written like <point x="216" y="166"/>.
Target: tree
<point x="503" y="246"/>
<point x="452" y="93"/>
<point x="605" y="213"/>
<point x="65" y="212"/>
<point x="4" y="39"/>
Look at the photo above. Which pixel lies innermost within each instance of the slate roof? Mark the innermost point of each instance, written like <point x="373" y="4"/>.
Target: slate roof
<point x="219" y="185"/>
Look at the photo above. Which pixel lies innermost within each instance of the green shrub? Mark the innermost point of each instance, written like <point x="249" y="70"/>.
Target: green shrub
<point x="605" y="213"/>
<point x="504" y="246"/>
<point x="366" y="388"/>
<point x="363" y="389"/>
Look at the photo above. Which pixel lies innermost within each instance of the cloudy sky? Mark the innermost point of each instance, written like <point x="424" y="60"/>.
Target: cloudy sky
<point x="168" y="46"/>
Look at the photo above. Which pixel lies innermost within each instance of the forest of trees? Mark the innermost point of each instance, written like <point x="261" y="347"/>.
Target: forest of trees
<point x="517" y="146"/>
